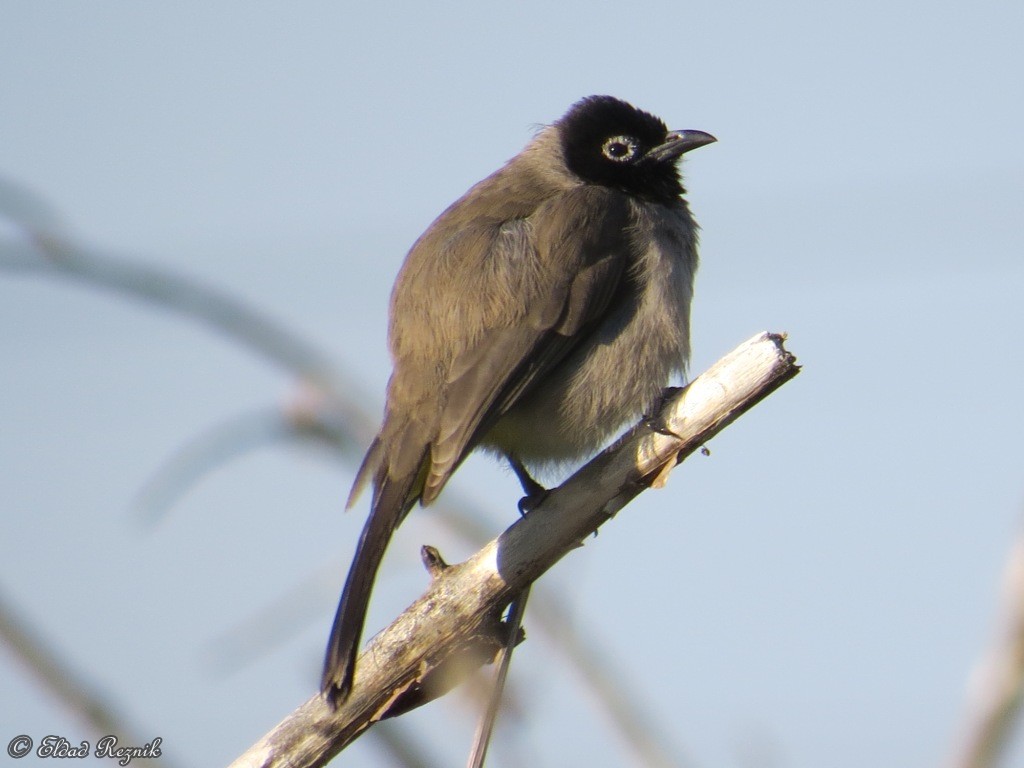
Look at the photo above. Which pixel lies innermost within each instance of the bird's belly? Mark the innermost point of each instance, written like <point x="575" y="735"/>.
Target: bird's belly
<point x="612" y="378"/>
<point x="617" y="373"/>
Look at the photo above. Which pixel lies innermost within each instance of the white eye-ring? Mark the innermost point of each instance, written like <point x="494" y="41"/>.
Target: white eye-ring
<point x="620" y="148"/>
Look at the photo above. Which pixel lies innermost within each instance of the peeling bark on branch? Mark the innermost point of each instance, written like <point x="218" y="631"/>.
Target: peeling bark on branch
<point x="460" y="610"/>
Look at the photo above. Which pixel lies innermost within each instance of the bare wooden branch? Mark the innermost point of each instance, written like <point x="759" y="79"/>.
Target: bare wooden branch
<point x="464" y="600"/>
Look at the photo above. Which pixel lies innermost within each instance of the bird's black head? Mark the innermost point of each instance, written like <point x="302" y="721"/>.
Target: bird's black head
<point x="607" y="141"/>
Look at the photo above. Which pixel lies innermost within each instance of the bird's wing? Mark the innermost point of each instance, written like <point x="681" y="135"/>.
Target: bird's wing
<point x="554" y="274"/>
<point x="580" y="243"/>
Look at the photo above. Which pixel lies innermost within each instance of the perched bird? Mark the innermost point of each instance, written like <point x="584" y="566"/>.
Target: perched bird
<point x="540" y="312"/>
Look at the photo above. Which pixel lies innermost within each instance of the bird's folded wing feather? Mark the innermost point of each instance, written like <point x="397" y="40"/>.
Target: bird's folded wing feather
<point x="579" y="241"/>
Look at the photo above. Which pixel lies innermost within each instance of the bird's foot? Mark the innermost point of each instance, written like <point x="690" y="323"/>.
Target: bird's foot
<point x="535" y="492"/>
<point x="655" y="421"/>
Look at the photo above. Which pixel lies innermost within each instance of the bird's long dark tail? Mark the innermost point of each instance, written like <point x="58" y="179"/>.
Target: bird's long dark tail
<point x="392" y="500"/>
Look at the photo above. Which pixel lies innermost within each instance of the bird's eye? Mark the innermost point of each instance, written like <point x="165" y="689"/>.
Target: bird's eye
<point x="619" y="148"/>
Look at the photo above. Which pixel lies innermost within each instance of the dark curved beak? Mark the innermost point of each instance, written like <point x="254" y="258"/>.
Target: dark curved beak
<point x="679" y="143"/>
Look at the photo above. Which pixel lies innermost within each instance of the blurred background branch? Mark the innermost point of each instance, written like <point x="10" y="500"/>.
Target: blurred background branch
<point x="866" y="196"/>
<point x="997" y="683"/>
<point x="83" y="698"/>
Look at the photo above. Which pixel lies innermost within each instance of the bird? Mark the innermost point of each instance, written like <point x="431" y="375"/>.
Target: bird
<point x="540" y="312"/>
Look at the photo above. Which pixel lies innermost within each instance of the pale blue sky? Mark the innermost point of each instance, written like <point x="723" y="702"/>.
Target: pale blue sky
<point x="813" y="594"/>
